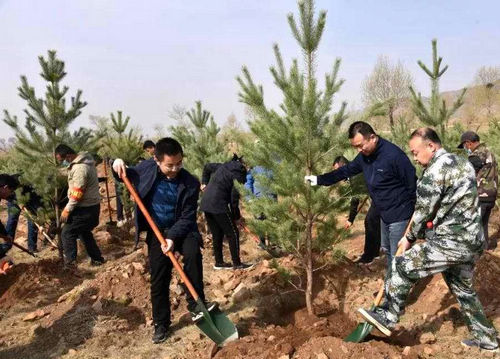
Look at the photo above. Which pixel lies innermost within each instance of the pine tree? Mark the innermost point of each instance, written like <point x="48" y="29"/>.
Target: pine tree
<point x="200" y="139"/>
<point x="47" y="121"/>
<point x="297" y="140"/>
<point x="436" y="113"/>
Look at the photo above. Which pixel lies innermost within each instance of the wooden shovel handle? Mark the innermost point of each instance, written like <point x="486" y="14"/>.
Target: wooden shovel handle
<point x="107" y="189"/>
<point x="159" y="235"/>
<point x="380" y="294"/>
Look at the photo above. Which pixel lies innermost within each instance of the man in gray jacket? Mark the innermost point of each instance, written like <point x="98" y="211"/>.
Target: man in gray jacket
<point x="81" y="214"/>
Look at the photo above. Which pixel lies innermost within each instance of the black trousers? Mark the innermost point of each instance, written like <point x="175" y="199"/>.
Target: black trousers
<point x="221" y="224"/>
<point x="161" y="273"/>
<point x="81" y="222"/>
<point x="486" y="208"/>
<point x="372" y="234"/>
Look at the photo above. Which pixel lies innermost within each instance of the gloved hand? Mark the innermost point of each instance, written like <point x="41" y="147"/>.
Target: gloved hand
<point x="119" y="167"/>
<point x="313" y="180"/>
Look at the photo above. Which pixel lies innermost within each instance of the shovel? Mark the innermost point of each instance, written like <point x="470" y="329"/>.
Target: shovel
<point x="215" y="324"/>
<point x="363" y="329"/>
<point x="107" y="192"/>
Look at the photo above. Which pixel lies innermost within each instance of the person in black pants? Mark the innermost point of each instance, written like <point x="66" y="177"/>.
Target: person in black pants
<point x="220" y="202"/>
<point x="372" y="219"/>
<point x="170" y="193"/>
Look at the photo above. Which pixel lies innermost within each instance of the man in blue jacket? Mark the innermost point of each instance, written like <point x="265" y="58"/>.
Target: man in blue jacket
<point x="390" y="178"/>
<point x="170" y="193"/>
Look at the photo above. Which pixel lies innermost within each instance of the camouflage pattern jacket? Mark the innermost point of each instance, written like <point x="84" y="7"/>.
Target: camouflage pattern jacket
<point x="486" y="167"/>
<point x="83" y="185"/>
<point x="447" y="196"/>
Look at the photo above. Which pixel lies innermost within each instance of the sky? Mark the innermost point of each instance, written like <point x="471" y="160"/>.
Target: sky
<point x="144" y="57"/>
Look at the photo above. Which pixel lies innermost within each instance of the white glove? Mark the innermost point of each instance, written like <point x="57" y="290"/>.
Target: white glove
<point x="119" y="167"/>
<point x="168" y="247"/>
<point x="313" y="180"/>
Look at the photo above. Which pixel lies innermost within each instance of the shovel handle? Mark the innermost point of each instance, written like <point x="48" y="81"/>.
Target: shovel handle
<point x="107" y="189"/>
<point x="40" y="228"/>
<point x="253" y="236"/>
<point x="380" y="294"/>
<point x="159" y="235"/>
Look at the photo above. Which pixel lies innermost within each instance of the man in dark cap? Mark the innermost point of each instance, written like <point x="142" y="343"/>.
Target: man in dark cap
<point x="485" y="165"/>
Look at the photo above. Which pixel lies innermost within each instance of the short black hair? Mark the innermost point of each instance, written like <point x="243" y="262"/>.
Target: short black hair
<point x="64" y="150"/>
<point x="167" y="146"/>
<point x="9" y="181"/>
<point x="360" y="127"/>
<point x="148" y="144"/>
<point x="426" y="133"/>
<point x="340" y="159"/>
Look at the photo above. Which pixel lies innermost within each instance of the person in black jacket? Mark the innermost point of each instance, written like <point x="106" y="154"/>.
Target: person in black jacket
<point x="8" y="185"/>
<point x="372" y="219"/>
<point x="170" y="193"/>
<point x="220" y="202"/>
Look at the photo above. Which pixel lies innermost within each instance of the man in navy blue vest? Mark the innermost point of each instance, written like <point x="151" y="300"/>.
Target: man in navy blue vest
<point x="390" y="178"/>
<point x="170" y="193"/>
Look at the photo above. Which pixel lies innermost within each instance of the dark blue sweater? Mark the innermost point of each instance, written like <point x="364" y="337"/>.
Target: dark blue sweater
<point x="390" y="178"/>
<point x="144" y="175"/>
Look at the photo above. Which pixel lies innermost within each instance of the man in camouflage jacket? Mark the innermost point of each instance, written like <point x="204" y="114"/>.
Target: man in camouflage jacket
<point x="81" y="214"/>
<point x="447" y="217"/>
<point x="485" y="164"/>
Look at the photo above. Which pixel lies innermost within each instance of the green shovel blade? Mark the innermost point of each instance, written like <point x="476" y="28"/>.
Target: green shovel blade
<point x="360" y="333"/>
<point x="216" y="325"/>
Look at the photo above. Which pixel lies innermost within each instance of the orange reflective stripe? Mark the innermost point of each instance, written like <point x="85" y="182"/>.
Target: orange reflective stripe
<point x="76" y="194"/>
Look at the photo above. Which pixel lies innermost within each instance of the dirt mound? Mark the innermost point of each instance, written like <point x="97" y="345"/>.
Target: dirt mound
<point x="35" y="280"/>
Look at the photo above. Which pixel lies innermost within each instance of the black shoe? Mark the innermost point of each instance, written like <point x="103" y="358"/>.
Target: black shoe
<point x="243" y="266"/>
<point x="160" y="334"/>
<point x="97" y="263"/>
<point x="197" y="313"/>
<point x="363" y="260"/>
<point x="378" y="319"/>
<point x="222" y="265"/>
<point x="471" y="343"/>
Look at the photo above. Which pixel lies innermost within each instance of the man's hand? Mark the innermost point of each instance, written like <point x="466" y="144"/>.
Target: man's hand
<point x="165" y="248"/>
<point x="405" y="244"/>
<point x="347" y="225"/>
<point x="64" y="216"/>
<point x="313" y="180"/>
<point x="202" y="187"/>
<point x="119" y="167"/>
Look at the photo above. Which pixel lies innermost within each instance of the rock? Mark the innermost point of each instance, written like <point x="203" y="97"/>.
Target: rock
<point x="286" y="356"/>
<point x="37" y="314"/>
<point x="97" y="306"/>
<point x="232" y="284"/>
<point x="406" y="351"/>
<point x="125" y="275"/>
<point x="72" y="352"/>
<point x="344" y="349"/>
<point x="427" y="338"/>
<point x="149" y="322"/>
<point x="271" y="338"/>
<point x="138" y="267"/>
<point x="179" y="289"/>
<point x="94" y="297"/>
<point x="241" y="293"/>
<point x="428" y="351"/>
<point x="321" y="356"/>
<point x="63" y="297"/>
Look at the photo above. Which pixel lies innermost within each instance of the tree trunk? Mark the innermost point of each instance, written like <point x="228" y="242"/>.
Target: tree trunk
<point x="309" y="269"/>
<point x="56" y="208"/>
